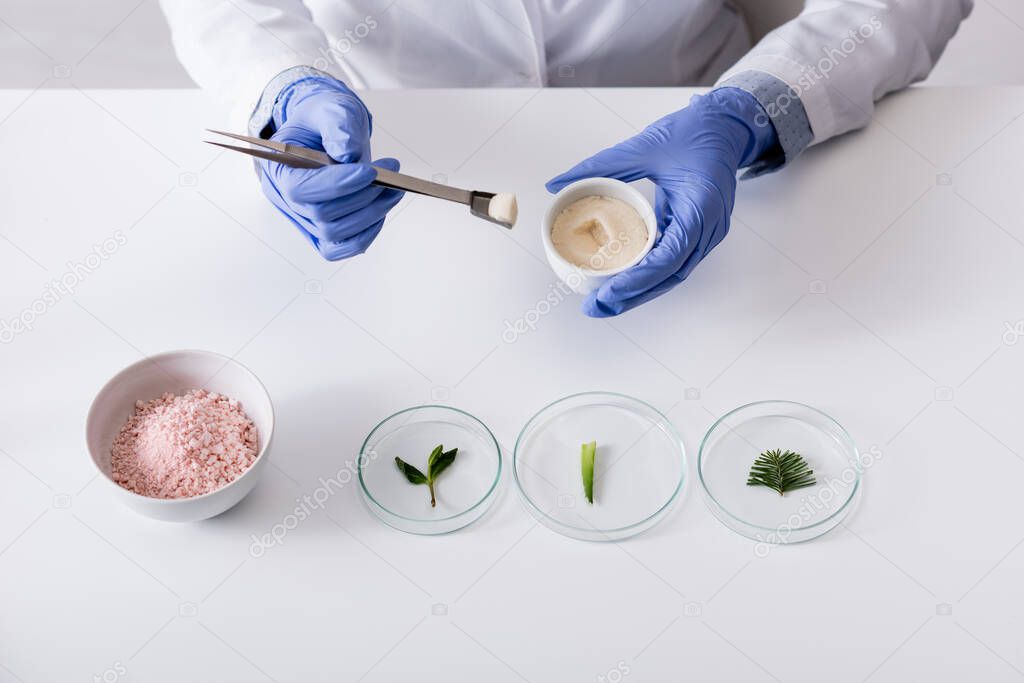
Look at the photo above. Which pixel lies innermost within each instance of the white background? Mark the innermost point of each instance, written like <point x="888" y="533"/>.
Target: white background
<point x="874" y="279"/>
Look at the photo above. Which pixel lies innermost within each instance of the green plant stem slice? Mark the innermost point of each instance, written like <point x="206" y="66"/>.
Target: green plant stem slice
<point x="588" y="451"/>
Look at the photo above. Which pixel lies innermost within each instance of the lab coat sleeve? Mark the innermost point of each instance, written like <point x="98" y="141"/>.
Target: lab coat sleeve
<point x="783" y="111"/>
<point x="840" y="56"/>
<point x="234" y="49"/>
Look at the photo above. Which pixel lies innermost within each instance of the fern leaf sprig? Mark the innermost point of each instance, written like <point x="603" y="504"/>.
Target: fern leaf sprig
<point x="781" y="471"/>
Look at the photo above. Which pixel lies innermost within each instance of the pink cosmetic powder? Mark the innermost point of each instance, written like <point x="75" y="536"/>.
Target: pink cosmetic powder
<point x="183" y="446"/>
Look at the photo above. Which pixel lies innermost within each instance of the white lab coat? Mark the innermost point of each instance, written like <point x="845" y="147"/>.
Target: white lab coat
<point x="839" y="55"/>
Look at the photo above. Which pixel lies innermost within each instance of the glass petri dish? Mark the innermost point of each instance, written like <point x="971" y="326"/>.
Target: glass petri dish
<point x="639" y="468"/>
<point x="464" y="492"/>
<point x="757" y="512"/>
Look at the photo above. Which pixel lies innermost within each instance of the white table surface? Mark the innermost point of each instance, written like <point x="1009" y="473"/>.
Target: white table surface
<point x="874" y="279"/>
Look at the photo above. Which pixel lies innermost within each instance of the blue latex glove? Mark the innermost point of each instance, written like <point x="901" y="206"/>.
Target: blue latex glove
<point x="335" y="207"/>
<point x="692" y="157"/>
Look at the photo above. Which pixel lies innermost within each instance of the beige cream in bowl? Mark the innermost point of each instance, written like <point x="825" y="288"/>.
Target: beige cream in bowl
<point x="595" y="228"/>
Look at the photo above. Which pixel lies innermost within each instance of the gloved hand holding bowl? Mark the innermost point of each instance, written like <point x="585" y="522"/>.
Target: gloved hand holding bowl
<point x="691" y="156"/>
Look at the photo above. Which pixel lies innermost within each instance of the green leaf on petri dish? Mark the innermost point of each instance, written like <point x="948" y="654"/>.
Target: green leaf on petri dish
<point x="411" y="473"/>
<point x="437" y="462"/>
<point x="781" y="471"/>
<point x="440" y="462"/>
<point x="588" y="451"/>
<point x="432" y="458"/>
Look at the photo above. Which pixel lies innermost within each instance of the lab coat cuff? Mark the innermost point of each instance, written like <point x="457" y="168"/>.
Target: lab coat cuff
<point x="264" y="114"/>
<point x="783" y="110"/>
<point x="813" y="94"/>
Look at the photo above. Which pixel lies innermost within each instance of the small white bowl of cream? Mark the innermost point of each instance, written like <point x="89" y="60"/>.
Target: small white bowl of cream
<point x="595" y="228"/>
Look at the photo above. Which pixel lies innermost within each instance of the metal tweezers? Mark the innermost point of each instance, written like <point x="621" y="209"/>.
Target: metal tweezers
<point x="303" y="157"/>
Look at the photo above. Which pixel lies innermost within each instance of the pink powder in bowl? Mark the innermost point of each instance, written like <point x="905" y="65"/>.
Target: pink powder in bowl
<point x="183" y="446"/>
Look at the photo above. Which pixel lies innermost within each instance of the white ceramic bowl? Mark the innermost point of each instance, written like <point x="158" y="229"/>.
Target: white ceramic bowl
<point x="178" y="372"/>
<point x="585" y="280"/>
